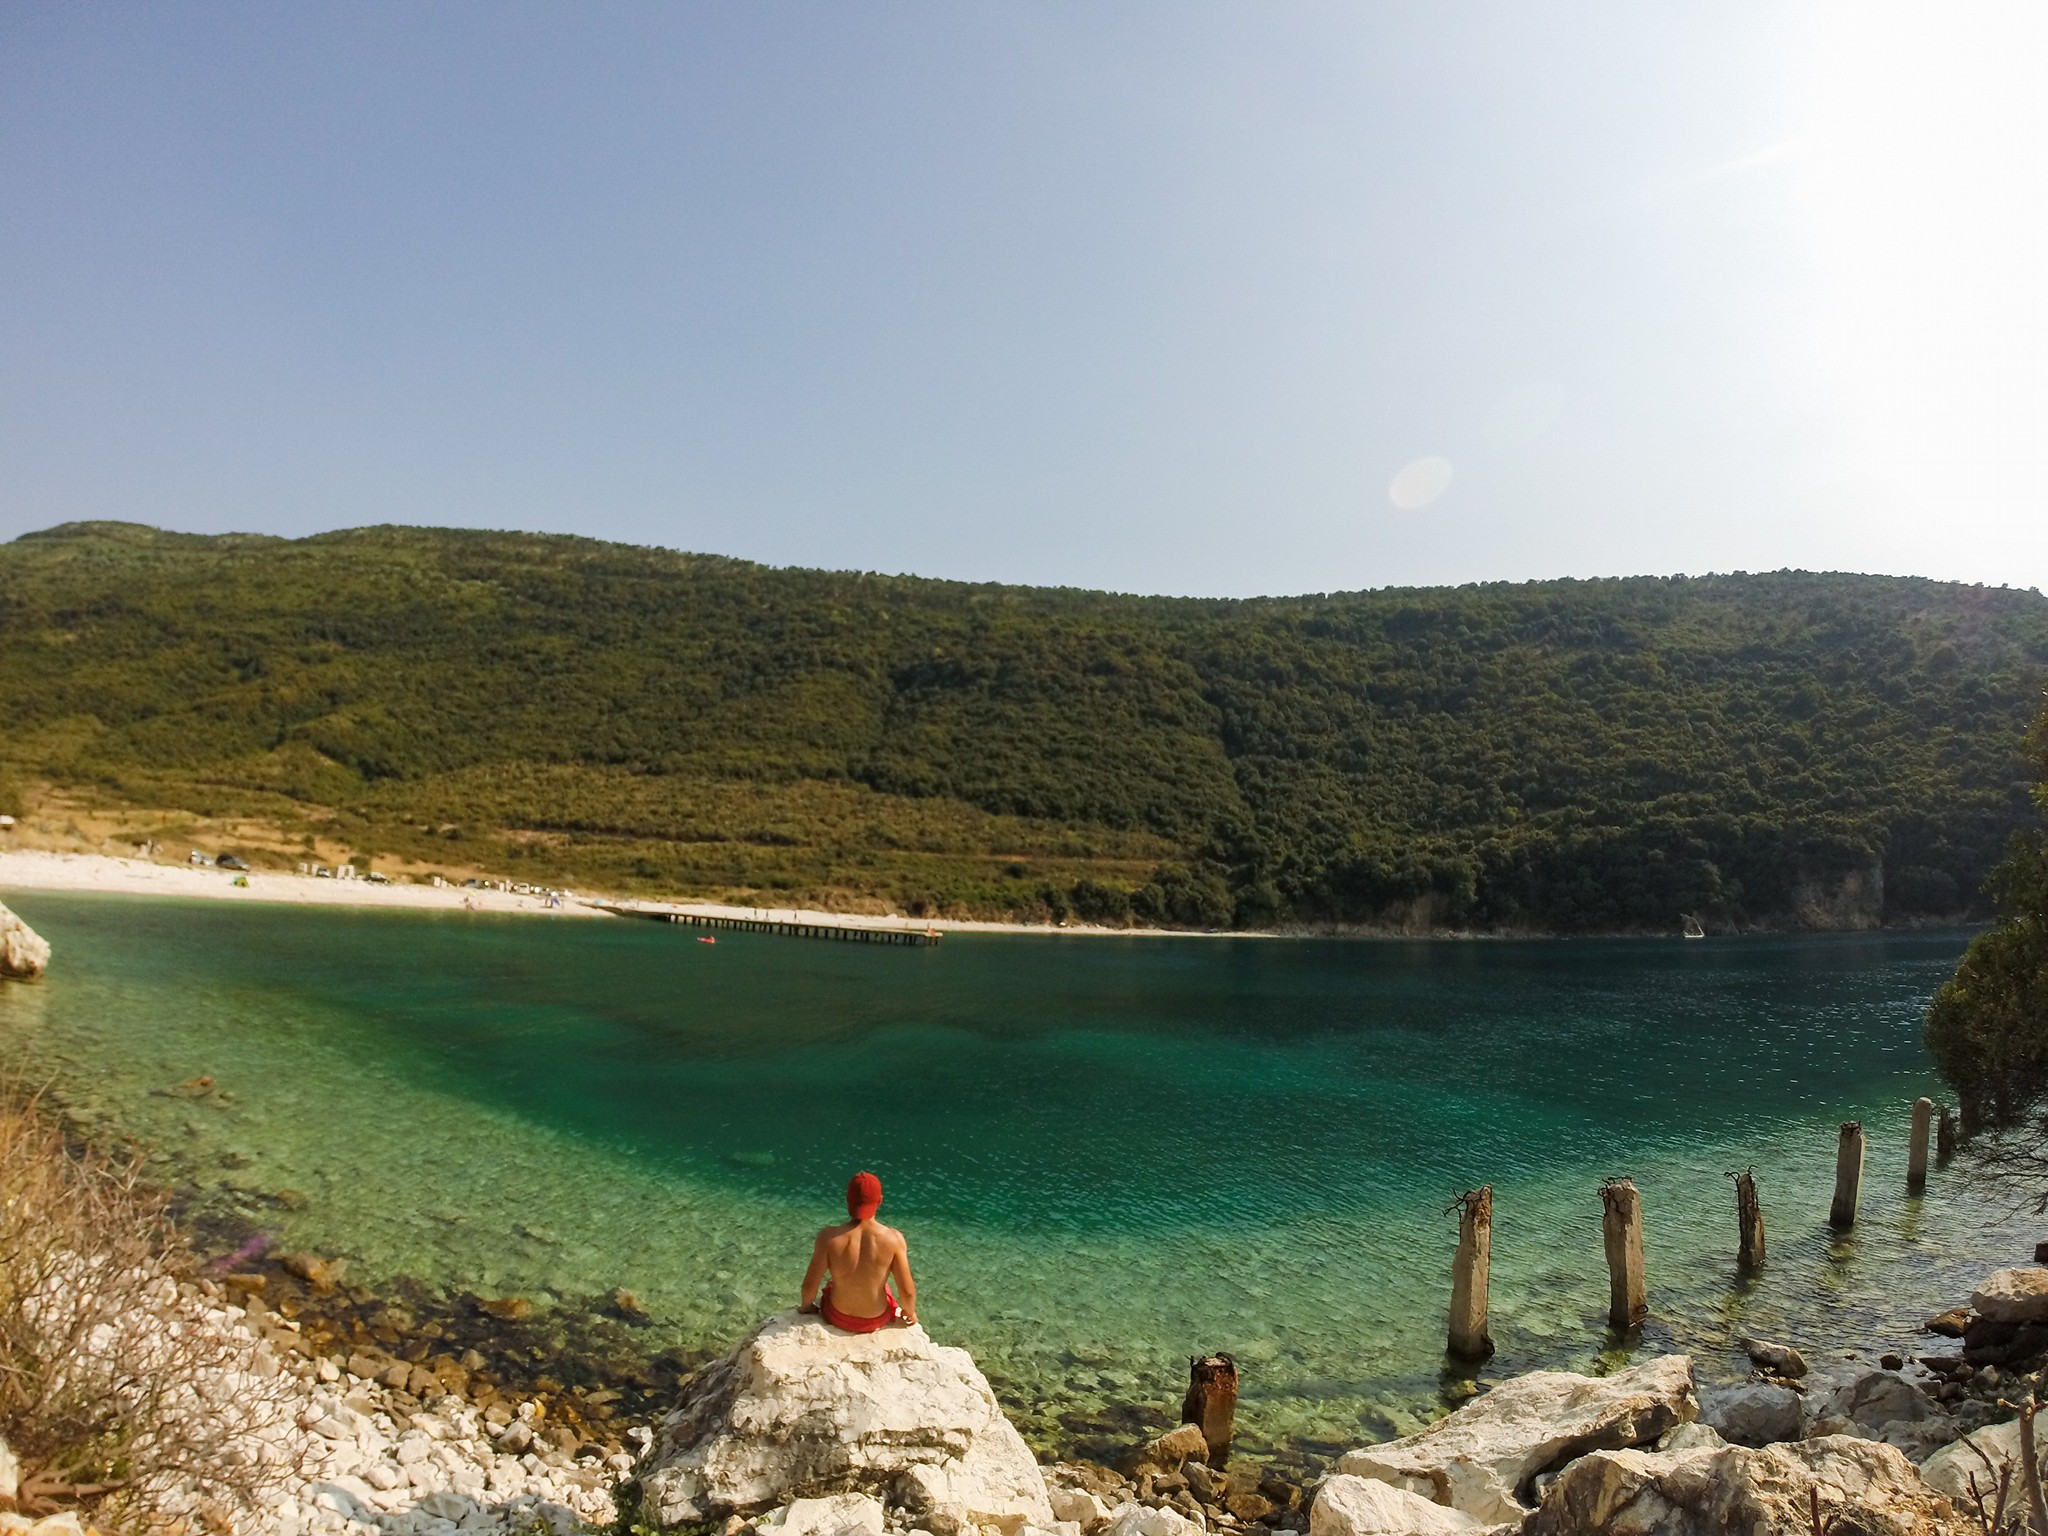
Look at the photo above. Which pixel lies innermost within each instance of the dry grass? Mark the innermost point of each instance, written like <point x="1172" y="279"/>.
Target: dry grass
<point x="121" y="1390"/>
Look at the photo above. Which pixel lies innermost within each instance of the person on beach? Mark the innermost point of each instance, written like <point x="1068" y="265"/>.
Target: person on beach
<point x="855" y="1262"/>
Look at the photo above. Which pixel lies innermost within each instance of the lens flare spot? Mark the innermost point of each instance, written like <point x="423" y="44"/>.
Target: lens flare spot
<point x="1419" y="483"/>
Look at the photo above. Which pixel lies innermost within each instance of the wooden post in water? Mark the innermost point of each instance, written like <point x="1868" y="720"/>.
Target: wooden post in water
<point x="1749" y="1222"/>
<point x="1621" y="1225"/>
<point x="1212" y="1403"/>
<point x="1945" y="1136"/>
<point x="1916" y="1149"/>
<point x="1848" y="1177"/>
<point x="1469" y="1338"/>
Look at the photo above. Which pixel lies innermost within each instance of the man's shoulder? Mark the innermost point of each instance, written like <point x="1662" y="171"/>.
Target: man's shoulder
<point x="892" y="1234"/>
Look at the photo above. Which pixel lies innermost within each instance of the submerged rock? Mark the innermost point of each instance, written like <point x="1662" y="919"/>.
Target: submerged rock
<point x="24" y="953"/>
<point x="1778" y="1359"/>
<point x="1170" y="1451"/>
<point x="801" y="1410"/>
<point x="1484" y="1458"/>
<point x="1863" y="1489"/>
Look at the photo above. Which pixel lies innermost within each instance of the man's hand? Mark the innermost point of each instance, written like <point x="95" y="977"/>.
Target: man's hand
<point x="810" y="1307"/>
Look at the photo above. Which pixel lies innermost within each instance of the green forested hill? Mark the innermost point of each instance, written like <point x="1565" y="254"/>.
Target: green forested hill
<point x="1557" y="755"/>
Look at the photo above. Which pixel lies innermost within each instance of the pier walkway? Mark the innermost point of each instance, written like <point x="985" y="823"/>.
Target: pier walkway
<point x="845" y="933"/>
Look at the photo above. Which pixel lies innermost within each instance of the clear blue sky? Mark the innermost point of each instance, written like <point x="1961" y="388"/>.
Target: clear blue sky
<point x="1166" y="297"/>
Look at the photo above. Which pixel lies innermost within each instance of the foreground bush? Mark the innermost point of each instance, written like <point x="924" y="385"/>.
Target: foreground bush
<point x="115" y="1394"/>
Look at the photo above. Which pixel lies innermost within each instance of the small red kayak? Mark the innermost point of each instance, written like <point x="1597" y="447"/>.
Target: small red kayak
<point x="705" y="938"/>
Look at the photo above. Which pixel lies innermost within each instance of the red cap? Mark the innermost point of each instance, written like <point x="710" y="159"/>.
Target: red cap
<point x="863" y="1196"/>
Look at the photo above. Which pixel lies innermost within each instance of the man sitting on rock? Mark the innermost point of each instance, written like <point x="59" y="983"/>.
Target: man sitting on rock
<point x="861" y="1257"/>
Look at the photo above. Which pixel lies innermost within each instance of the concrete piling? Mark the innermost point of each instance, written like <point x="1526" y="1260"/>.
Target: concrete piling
<point x="1848" y="1177"/>
<point x="1916" y="1149"/>
<point x="1749" y="1222"/>
<point x="1212" y="1403"/>
<point x="1469" y="1339"/>
<point x="1621" y="1225"/>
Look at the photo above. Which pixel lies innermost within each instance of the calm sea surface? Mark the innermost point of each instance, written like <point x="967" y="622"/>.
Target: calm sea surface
<point x="1108" y="1154"/>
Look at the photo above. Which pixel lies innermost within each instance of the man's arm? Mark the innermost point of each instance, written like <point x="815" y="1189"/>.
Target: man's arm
<point x="906" y="1288"/>
<point x="814" y="1276"/>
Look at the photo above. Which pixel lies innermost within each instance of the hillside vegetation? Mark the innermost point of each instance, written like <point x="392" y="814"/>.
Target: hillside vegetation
<point x="1575" y="755"/>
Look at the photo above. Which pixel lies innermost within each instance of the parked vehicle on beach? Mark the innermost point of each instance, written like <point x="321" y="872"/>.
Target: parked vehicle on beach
<point x="229" y="861"/>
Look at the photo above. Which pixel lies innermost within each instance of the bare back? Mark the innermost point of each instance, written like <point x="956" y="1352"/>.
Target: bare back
<point x="861" y="1257"/>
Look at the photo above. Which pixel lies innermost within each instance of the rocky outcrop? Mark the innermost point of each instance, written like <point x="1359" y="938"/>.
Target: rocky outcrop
<point x="24" y="953"/>
<point x="1484" y="1459"/>
<point x="1365" y="1506"/>
<point x="1863" y="1489"/>
<point x="1831" y="900"/>
<point x="801" y="1411"/>
<point x="2013" y="1296"/>
<point x="1754" y="1412"/>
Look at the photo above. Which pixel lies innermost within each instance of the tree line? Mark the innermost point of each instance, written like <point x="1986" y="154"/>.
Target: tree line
<point x="1786" y="747"/>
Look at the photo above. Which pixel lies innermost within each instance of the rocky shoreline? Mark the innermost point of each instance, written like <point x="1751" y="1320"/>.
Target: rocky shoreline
<point x="402" y="1413"/>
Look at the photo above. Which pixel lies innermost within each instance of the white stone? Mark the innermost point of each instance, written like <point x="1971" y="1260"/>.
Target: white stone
<point x="1365" y="1506"/>
<point x="841" y="1512"/>
<point x="1143" y="1520"/>
<point x="1483" y="1458"/>
<point x="10" y="1471"/>
<point x="2013" y="1296"/>
<point x="800" y="1409"/>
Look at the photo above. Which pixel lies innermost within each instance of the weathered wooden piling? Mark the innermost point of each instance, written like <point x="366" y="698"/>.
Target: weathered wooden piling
<point x="1945" y="1136"/>
<point x="1621" y="1225"/>
<point x="1916" y="1149"/>
<point x="1212" y="1403"/>
<point x="1469" y="1339"/>
<point x="1848" y="1177"/>
<point x="1749" y="1222"/>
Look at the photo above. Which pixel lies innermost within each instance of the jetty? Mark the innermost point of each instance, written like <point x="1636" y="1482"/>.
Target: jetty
<point x="845" y="933"/>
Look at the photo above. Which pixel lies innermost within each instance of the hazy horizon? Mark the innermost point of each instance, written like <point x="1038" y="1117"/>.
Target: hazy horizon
<point x="1203" y="300"/>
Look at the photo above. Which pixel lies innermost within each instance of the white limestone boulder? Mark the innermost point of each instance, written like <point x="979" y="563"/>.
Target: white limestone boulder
<point x="1983" y="1455"/>
<point x="840" y="1514"/>
<point x="1483" y="1459"/>
<point x="24" y="953"/>
<point x="1863" y="1487"/>
<point x="801" y="1411"/>
<point x="1143" y="1520"/>
<point x="2013" y="1296"/>
<point x="1365" y="1506"/>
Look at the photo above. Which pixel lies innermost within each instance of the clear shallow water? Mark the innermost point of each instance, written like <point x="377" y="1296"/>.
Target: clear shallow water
<point x="1108" y="1154"/>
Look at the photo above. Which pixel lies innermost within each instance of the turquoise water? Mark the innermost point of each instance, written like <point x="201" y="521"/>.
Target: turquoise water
<point x="1108" y="1154"/>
